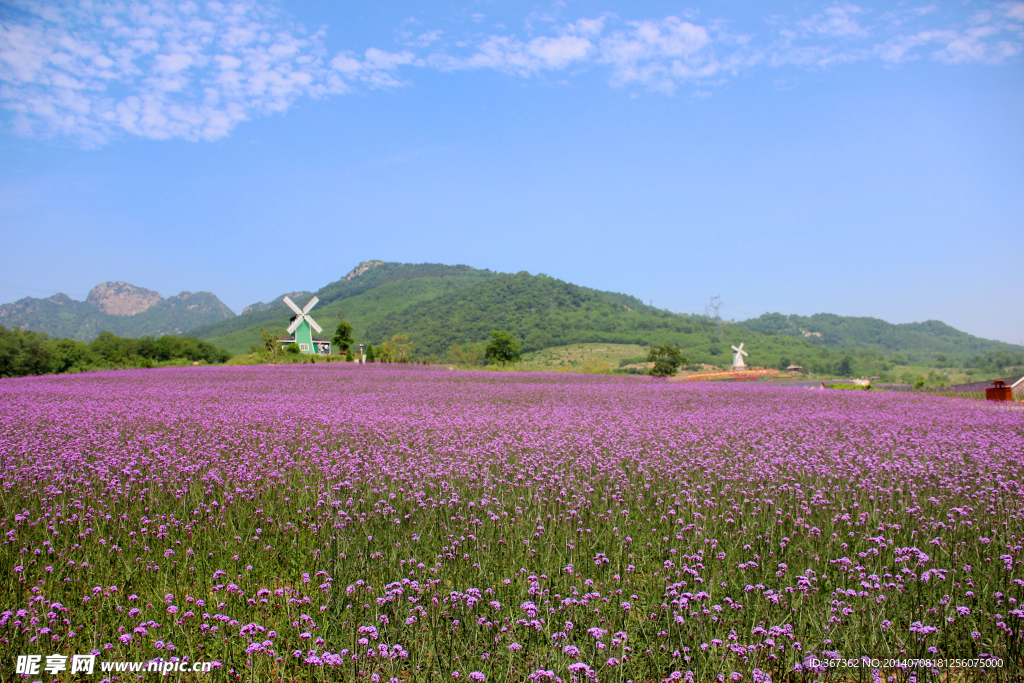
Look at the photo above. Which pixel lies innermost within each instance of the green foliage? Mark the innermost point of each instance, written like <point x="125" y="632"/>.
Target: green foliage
<point x="397" y="350"/>
<point x="849" y="387"/>
<point x="371" y="356"/>
<point x="343" y="335"/>
<point x="23" y="352"/>
<point x="269" y="343"/>
<point x="113" y="349"/>
<point x="393" y="272"/>
<point x="292" y="349"/>
<point x="996" y="362"/>
<point x="348" y="355"/>
<point x="539" y="311"/>
<point x="666" y="359"/>
<point x="503" y="348"/>
<point x="468" y="355"/>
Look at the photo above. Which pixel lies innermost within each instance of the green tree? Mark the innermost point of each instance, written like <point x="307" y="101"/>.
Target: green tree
<point x="110" y="347"/>
<point x="370" y="355"/>
<point x="503" y="348"/>
<point x="397" y="350"/>
<point x="269" y="343"/>
<point x="468" y="355"/>
<point x="348" y="355"/>
<point x="845" y="368"/>
<point x="666" y="359"/>
<point x="71" y="354"/>
<point x="343" y="335"/>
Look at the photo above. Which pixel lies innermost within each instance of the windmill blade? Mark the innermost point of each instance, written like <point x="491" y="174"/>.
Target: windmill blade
<point x="291" y="304"/>
<point x="744" y="352"/>
<point x="295" y="325"/>
<point x="741" y="345"/>
<point x="735" y="349"/>
<point x="312" y="323"/>
<point x="310" y="305"/>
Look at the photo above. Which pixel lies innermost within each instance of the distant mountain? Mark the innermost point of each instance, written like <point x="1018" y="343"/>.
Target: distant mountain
<point x="917" y="341"/>
<point x="118" y="307"/>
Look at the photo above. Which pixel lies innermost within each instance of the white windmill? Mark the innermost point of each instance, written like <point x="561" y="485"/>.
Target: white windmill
<point x="302" y="328"/>
<point x="737" y="357"/>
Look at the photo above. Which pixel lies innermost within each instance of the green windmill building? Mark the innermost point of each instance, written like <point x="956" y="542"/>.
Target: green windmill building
<point x="302" y="328"/>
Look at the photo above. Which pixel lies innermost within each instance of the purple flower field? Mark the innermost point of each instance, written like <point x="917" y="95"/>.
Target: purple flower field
<point x="388" y="523"/>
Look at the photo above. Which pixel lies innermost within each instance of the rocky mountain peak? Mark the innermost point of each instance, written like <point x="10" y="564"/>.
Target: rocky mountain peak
<point x="122" y="298"/>
<point x="362" y="268"/>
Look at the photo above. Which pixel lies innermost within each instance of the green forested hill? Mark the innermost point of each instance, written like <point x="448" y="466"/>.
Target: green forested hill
<point x="926" y="343"/>
<point x="539" y="310"/>
<point x="364" y="296"/>
<point x="438" y="306"/>
<point x="542" y="312"/>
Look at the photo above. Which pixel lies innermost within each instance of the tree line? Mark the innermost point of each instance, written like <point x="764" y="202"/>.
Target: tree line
<point x="23" y="352"/>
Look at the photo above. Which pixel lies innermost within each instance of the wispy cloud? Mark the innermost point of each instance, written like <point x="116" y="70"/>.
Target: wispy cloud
<point x="163" y="70"/>
<point x="95" y="70"/>
<point x="836" y="21"/>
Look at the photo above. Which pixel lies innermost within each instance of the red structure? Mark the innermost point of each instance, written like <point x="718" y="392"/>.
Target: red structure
<point x="999" y="392"/>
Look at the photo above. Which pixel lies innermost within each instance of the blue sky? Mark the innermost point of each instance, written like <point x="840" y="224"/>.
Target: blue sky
<point x="801" y="157"/>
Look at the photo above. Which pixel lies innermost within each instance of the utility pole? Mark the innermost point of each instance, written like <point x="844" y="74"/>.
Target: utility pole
<point x="713" y="306"/>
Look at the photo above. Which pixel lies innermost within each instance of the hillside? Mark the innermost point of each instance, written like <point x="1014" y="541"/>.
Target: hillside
<point x="371" y="291"/>
<point x="539" y="310"/>
<point x="117" y="307"/>
<point x="929" y="342"/>
<point x="543" y="312"/>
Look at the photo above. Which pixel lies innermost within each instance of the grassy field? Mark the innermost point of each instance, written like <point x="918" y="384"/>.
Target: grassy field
<point x="580" y="357"/>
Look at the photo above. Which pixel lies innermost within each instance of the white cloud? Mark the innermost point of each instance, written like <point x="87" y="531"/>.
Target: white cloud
<point x="507" y="53"/>
<point x="195" y="70"/>
<point x="377" y="68"/>
<point x="837" y="21"/>
<point x="973" y="45"/>
<point x="95" y="70"/>
<point x="659" y="53"/>
<point x="1013" y="10"/>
